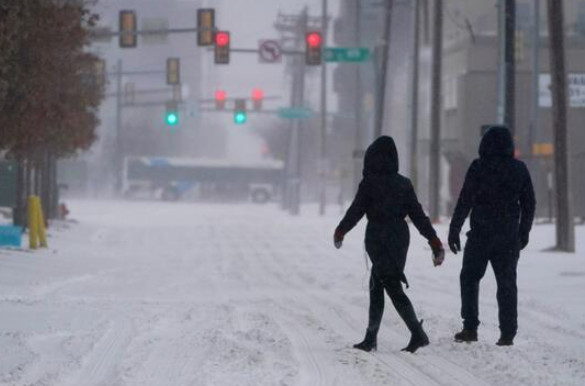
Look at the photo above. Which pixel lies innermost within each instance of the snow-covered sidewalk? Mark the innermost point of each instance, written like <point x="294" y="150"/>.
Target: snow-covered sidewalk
<point x="158" y="294"/>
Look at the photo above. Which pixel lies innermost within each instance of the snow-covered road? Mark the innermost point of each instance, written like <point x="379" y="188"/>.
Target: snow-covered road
<point x="235" y="295"/>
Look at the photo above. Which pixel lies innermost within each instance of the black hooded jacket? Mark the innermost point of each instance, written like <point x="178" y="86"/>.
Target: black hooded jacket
<point x="497" y="190"/>
<point x="386" y="198"/>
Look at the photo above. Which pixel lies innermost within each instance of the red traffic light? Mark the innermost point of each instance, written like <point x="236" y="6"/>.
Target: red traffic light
<point x="314" y="39"/>
<point x="220" y="98"/>
<point x="222" y="38"/>
<point x="220" y="95"/>
<point x="257" y="94"/>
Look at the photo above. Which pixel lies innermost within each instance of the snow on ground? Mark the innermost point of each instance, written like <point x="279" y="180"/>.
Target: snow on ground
<point x="185" y="294"/>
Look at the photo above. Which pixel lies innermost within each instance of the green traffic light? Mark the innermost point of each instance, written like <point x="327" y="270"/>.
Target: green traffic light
<point x="240" y="118"/>
<point x="172" y="119"/>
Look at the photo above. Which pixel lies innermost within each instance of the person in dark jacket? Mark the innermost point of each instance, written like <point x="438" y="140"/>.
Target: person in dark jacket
<point x="499" y="194"/>
<point x="386" y="198"/>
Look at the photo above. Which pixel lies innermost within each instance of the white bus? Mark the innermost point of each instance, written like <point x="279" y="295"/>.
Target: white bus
<point x="172" y="179"/>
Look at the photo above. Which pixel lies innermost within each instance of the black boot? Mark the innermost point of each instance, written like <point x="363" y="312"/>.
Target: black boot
<point x="466" y="335"/>
<point x="369" y="343"/>
<point x="418" y="339"/>
<point x="506" y="340"/>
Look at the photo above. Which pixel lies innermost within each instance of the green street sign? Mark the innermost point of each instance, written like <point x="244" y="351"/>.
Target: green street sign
<point x="295" y="112"/>
<point x="340" y="54"/>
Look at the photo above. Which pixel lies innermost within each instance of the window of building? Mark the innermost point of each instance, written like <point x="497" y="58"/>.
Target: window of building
<point x="523" y="16"/>
<point x="450" y="93"/>
<point x="580" y="23"/>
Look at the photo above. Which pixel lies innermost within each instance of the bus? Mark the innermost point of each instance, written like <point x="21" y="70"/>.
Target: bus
<point x="172" y="179"/>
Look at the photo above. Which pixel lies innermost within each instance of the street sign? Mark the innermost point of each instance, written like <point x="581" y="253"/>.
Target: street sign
<point x="269" y="51"/>
<point x="295" y="113"/>
<point x="576" y="92"/>
<point x="543" y="149"/>
<point x="341" y="54"/>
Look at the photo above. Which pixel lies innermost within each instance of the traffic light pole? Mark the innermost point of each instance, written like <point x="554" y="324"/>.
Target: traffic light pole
<point x="297" y="100"/>
<point x="323" y="166"/>
<point x="118" y="147"/>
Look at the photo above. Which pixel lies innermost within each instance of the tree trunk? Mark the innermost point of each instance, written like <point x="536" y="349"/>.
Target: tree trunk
<point x="53" y="187"/>
<point x="565" y="228"/>
<point x="19" y="211"/>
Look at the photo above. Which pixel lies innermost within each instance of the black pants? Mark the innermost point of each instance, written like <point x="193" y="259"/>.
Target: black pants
<point x="502" y="251"/>
<point x="393" y="286"/>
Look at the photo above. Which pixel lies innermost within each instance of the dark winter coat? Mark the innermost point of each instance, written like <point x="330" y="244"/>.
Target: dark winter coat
<point x="497" y="191"/>
<point x="386" y="198"/>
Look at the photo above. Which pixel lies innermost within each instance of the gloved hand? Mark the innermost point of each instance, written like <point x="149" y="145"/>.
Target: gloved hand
<point x="454" y="242"/>
<point x="438" y="251"/>
<point x="523" y="241"/>
<point x="338" y="238"/>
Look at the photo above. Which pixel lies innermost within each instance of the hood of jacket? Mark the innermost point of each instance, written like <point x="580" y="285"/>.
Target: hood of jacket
<point x="497" y="142"/>
<point x="381" y="158"/>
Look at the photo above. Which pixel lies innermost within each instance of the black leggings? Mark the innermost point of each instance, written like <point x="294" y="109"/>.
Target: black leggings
<point x="393" y="287"/>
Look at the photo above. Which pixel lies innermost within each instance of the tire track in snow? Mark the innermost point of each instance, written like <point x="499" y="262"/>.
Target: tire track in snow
<point x="99" y="366"/>
<point x="311" y="371"/>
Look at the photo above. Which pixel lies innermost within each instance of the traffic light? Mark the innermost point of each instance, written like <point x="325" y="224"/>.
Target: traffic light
<point x="173" y="71"/>
<point x="205" y="26"/>
<point x="314" y="51"/>
<point x="222" y="47"/>
<point x="240" y="115"/>
<point x="128" y="35"/>
<point x="172" y="113"/>
<point x="257" y="97"/>
<point x="220" y="97"/>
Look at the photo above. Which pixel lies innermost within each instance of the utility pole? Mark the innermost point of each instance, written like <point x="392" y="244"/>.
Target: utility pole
<point x="414" y="95"/>
<point x="565" y="227"/>
<point x="323" y="168"/>
<point x="380" y="103"/>
<point x="507" y="66"/>
<point x="295" y="27"/>
<point x="358" y="150"/>
<point x="501" y="62"/>
<point x="436" y="114"/>
<point x="535" y="118"/>
<point x="510" y="59"/>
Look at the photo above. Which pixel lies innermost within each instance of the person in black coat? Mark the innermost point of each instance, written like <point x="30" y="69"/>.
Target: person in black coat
<point x="386" y="198"/>
<point x="499" y="194"/>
